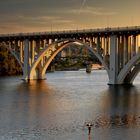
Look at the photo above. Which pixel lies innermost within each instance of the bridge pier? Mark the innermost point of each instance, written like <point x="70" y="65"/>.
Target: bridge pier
<point x="26" y="66"/>
<point x="113" y="60"/>
<point x="28" y="61"/>
<point x="124" y="59"/>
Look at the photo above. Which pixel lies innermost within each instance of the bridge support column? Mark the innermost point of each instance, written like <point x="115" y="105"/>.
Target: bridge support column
<point x="125" y="50"/>
<point x="26" y="67"/>
<point x="91" y="42"/>
<point x="133" y="45"/>
<point x="29" y="74"/>
<point x="37" y="72"/>
<point x="98" y="45"/>
<point x="113" y="60"/>
<point x="32" y="51"/>
<point x="21" y="51"/>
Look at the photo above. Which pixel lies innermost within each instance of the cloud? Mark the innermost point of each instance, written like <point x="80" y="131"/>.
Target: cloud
<point x="45" y="19"/>
<point x="92" y="11"/>
<point x="33" y="23"/>
<point x="30" y="15"/>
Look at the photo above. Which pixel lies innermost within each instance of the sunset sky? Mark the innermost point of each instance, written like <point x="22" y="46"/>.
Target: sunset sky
<point x="46" y="15"/>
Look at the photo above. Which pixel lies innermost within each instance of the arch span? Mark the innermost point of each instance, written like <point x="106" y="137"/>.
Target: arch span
<point x="130" y="70"/>
<point x="54" y="49"/>
<point x="131" y="77"/>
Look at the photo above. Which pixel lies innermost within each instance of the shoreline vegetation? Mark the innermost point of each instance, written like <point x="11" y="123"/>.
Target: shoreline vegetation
<point x="8" y="64"/>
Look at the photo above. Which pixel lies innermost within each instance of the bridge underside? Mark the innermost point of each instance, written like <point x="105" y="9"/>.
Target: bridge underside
<point x="118" y="53"/>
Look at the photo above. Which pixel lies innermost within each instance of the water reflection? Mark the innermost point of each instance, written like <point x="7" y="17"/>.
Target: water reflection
<point x="34" y="87"/>
<point x="36" y="102"/>
<point x="120" y="107"/>
<point x="46" y="108"/>
<point x="119" y="104"/>
<point x="39" y="95"/>
<point x="59" y="107"/>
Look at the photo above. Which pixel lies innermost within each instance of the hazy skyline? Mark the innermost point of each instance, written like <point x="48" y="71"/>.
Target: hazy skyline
<point x="46" y="15"/>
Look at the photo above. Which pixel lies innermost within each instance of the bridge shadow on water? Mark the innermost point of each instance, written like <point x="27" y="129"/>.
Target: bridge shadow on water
<point x="120" y="107"/>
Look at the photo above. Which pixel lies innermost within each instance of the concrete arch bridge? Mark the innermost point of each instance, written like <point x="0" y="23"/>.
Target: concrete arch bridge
<point x="118" y="49"/>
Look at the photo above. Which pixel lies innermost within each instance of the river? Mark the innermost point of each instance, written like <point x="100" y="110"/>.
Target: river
<point x="60" y="107"/>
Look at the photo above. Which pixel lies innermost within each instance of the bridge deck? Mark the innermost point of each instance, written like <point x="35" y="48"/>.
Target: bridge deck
<point x="73" y="33"/>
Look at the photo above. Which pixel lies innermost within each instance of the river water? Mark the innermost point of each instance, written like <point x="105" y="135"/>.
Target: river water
<point x="60" y="107"/>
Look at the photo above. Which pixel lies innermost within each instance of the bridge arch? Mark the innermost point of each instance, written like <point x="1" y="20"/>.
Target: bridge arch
<point x="54" y="49"/>
<point x="9" y="48"/>
<point x="131" y="77"/>
<point x="130" y="70"/>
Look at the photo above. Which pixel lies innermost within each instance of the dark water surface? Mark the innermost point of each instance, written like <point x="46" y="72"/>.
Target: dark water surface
<point x="60" y="107"/>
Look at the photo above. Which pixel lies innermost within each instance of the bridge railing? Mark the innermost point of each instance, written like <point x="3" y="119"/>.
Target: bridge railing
<point x="73" y="31"/>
